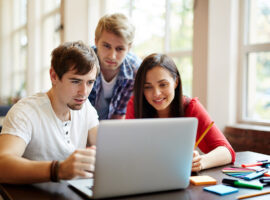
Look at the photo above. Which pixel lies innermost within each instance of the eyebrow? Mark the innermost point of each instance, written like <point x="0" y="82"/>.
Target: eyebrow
<point x="158" y="81"/>
<point x="75" y="79"/>
<point x="103" y="42"/>
<point x="120" y="46"/>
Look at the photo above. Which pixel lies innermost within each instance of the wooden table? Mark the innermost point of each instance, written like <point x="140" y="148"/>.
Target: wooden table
<point x="61" y="191"/>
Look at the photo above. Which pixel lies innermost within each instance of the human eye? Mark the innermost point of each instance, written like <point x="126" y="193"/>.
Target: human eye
<point x="163" y="84"/>
<point x="75" y="82"/>
<point x="119" y="49"/>
<point x="107" y="46"/>
<point x="147" y="87"/>
<point x="90" y="82"/>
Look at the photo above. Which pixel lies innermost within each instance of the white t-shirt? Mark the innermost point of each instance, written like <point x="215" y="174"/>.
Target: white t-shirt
<point x="108" y="86"/>
<point x="47" y="137"/>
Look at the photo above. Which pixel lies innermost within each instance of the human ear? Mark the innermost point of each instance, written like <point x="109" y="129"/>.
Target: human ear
<point x="53" y="76"/>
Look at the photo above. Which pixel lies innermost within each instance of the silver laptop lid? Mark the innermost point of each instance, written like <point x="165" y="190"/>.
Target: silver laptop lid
<point x="143" y="155"/>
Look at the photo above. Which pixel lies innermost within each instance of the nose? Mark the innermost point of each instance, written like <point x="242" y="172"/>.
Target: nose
<point x="112" y="54"/>
<point x="83" y="90"/>
<point x="157" y="92"/>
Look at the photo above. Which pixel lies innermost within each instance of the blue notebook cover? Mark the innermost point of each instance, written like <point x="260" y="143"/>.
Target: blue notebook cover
<point x="221" y="189"/>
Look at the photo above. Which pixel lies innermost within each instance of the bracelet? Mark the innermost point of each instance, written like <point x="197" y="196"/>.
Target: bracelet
<point x="54" y="171"/>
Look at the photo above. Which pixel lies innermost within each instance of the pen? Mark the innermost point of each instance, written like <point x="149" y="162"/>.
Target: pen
<point x="238" y="183"/>
<point x="204" y="133"/>
<point x="261" y="163"/>
<point x="253" y="195"/>
<point x="252" y="164"/>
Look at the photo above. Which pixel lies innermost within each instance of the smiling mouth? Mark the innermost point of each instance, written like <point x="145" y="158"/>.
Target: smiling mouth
<point x="158" y="100"/>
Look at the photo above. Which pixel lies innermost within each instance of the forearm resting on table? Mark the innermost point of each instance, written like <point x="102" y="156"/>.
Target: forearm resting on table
<point x="217" y="157"/>
<point x="18" y="170"/>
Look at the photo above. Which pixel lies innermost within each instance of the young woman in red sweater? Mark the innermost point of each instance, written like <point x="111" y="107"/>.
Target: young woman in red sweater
<point x="158" y="94"/>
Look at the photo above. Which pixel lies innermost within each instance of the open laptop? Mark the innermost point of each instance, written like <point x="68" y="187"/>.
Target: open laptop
<point x="141" y="156"/>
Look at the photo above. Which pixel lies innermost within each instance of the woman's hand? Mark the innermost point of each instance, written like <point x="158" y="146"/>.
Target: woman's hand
<point x="196" y="162"/>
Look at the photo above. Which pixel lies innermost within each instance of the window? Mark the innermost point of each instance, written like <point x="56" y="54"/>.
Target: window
<point x="51" y="27"/>
<point x="255" y="54"/>
<point x="19" y="48"/>
<point x="164" y="26"/>
<point x="28" y="34"/>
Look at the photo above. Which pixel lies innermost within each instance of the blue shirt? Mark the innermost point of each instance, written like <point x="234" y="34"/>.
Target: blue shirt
<point x="122" y="90"/>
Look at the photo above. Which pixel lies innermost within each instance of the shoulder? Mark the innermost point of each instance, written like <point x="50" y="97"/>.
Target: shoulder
<point x="194" y="108"/>
<point x="130" y="109"/>
<point x="94" y="48"/>
<point x="31" y="103"/>
<point x="133" y="60"/>
<point x="129" y="67"/>
<point x="25" y="115"/>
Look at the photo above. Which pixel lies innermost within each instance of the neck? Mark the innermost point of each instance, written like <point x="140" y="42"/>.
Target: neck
<point x="163" y="114"/>
<point x="61" y="111"/>
<point x="109" y="74"/>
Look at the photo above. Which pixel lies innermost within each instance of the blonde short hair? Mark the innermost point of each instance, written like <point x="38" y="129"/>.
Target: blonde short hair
<point x="117" y="24"/>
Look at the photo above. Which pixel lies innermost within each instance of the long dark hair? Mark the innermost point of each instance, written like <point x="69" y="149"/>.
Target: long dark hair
<point x="141" y="106"/>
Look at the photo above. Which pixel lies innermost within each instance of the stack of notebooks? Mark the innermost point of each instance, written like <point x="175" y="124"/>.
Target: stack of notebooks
<point x="237" y="172"/>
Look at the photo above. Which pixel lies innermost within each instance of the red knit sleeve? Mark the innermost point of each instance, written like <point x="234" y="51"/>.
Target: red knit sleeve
<point x="214" y="137"/>
<point x="130" y="109"/>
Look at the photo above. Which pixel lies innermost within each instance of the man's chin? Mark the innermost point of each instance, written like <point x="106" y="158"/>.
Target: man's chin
<point x="75" y="106"/>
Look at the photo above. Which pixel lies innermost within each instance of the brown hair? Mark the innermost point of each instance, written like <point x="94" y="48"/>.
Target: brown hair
<point x="141" y="106"/>
<point x="117" y="24"/>
<point x="73" y="56"/>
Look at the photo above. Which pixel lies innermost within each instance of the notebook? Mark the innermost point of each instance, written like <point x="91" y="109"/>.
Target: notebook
<point x="221" y="189"/>
<point x="141" y="156"/>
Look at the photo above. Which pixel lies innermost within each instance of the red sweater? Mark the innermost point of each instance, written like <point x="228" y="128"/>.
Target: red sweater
<point x="213" y="138"/>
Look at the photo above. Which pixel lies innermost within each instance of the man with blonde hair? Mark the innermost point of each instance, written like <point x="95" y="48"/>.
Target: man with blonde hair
<point x="114" y="85"/>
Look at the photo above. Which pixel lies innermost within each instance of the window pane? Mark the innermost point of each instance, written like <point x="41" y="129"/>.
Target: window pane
<point x="20" y="62"/>
<point x="118" y="6"/>
<point x="51" y="39"/>
<point x="20" y="13"/>
<point x="50" y="5"/>
<point x="184" y="66"/>
<point x="259" y="24"/>
<point x="149" y="20"/>
<point x="258" y="101"/>
<point x="181" y="25"/>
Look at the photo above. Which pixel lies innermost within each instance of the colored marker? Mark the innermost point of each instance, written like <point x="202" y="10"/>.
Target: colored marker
<point x="265" y="180"/>
<point x="255" y="175"/>
<point x="263" y="163"/>
<point x="238" y="183"/>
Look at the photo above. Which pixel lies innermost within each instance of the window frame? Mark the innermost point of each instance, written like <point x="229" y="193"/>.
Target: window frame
<point x="175" y="54"/>
<point x="244" y="49"/>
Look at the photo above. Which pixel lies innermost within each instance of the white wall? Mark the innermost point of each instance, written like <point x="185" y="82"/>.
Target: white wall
<point x="76" y="21"/>
<point x="222" y="61"/>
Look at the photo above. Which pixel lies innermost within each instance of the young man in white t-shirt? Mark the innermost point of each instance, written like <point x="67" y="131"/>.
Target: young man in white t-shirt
<point x="45" y="136"/>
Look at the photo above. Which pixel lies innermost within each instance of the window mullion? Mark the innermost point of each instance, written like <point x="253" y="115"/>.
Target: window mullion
<point x="167" y="27"/>
<point x="256" y="47"/>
